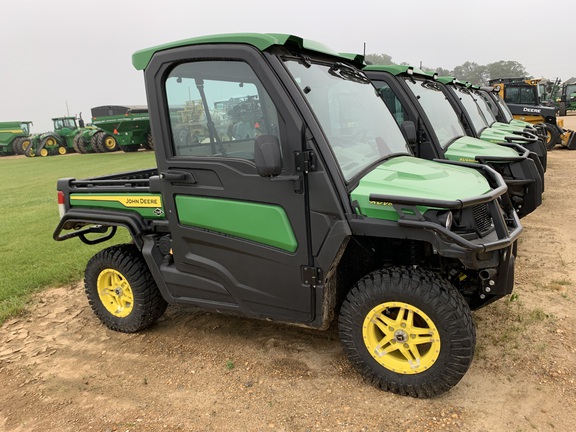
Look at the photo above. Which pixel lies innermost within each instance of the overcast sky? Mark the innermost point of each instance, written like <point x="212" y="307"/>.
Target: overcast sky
<point x="64" y="56"/>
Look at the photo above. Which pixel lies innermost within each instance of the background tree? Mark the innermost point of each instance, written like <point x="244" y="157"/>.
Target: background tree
<point x="473" y="72"/>
<point x="506" y="69"/>
<point x="379" y="59"/>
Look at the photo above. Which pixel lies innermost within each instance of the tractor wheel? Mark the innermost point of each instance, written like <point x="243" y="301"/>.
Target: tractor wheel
<point x="17" y="145"/>
<point x="29" y="151"/>
<point x="44" y="152"/>
<point x="62" y="150"/>
<point x="562" y="109"/>
<point x="80" y="144"/>
<point x="94" y="143"/>
<point x="106" y="142"/>
<point x="552" y="136"/>
<point x="121" y="289"/>
<point x="50" y="141"/>
<point x="408" y="331"/>
<point x="149" y="144"/>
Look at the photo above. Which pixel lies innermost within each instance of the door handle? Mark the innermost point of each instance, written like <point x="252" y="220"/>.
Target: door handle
<point x="178" y="176"/>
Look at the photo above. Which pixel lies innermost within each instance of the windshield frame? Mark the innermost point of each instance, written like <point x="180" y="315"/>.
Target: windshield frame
<point x="477" y="120"/>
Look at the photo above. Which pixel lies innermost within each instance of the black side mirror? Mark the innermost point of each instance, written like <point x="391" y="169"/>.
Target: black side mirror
<point x="267" y="156"/>
<point x="409" y="131"/>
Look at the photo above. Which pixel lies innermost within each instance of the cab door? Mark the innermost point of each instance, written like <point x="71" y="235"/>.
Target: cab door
<point x="239" y="241"/>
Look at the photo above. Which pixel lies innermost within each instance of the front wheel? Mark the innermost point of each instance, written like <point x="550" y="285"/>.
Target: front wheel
<point x="121" y="289"/>
<point x="408" y="331"/>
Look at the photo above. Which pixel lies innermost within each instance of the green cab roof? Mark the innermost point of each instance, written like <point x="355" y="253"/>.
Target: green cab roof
<point x="260" y="41"/>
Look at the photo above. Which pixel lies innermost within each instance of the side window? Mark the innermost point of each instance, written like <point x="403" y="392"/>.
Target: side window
<point x="393" y="103"/>
<point x="217" y="109"/>
<point x="512" y="95"/>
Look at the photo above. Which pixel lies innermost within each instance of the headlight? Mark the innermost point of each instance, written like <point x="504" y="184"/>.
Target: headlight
<point x="441" y="217"/>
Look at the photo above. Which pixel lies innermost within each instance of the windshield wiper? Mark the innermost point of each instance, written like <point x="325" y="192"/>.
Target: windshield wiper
<point x="348" y="73"/>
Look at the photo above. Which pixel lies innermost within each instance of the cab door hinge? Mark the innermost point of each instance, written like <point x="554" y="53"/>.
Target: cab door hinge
<point x="305" y="161"/>
<point x="311" y="276"/>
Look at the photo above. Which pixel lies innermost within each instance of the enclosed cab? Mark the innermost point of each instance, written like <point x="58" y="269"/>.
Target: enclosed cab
<point x="302" y="204"/>
<point x="417" y="101"/>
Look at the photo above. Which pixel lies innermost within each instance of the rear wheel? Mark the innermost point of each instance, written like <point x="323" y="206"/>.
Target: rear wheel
<point x="562" y="109"/>
<point x="121" y="290"/>
<point x="106" y="142"/>
<point x="17" y="146"/>
<point x="408" y="331"/>
<point x="149" y="144"/>
<point x="80" y="145"/>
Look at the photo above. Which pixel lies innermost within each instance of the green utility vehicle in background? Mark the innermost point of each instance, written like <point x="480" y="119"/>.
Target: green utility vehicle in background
<point x="464" y="101"/>
<point x="129" y="125"/>
<point x="418" y="103"/>
<point x="567" y="98"/>
<point x="69" y="135"/>
<point x="14" y="137"/>
<point x="316" y="211"/>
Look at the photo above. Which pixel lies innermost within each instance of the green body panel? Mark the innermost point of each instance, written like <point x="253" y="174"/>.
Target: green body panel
<point x="260" y="41"/>
<point x="465" y="149"/>
<point x="128" y="129"/>
<point x="261" y="223"/>
<point x="511" y="128"/>
<point x="521" y="123"/>
<point x="149" y="206"/>
<point x="417" y="178"/>
<point x="494" y="135"/>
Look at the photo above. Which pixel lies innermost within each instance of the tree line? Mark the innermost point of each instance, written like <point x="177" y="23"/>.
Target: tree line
<point x="468" y="71"/>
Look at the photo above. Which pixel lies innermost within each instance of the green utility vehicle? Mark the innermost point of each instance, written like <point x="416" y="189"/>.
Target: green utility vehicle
<point x="567" y="98"/>
<point x="464" y="100"/>
<point x="69" y="135"/>
<point x="418" y="104"/>
<point x="14" y="137"/>
<point x="129" y="125"/>
<point x="316" y="213"/>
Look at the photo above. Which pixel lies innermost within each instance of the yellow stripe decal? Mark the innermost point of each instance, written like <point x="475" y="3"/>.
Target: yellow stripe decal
<point x="125" y="200"/>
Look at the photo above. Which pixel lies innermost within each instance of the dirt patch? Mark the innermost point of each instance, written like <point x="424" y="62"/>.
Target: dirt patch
<point x="61" y="370"/>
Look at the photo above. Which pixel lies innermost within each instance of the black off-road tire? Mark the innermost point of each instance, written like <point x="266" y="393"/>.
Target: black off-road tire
<point x="562" y="109"/>
<point x="437" y="307"/>
<point x="129" y="148"/>
<point x="94" y="143"/>
<point x="552" y="136"/>
<point x="116" y="274"/>
<point x="17" y="147"/>
<point x="149" y="144"/>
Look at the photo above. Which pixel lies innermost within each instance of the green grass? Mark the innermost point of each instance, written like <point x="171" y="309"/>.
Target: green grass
<point x="29" y="258"/>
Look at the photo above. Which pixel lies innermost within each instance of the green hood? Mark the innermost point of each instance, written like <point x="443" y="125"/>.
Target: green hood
<point x="521" y="123"/>
<point x="495" y="135"/>
<point x="508" y="127"/>
<point x="465" y="149"/>
<point x="407" y="176"/>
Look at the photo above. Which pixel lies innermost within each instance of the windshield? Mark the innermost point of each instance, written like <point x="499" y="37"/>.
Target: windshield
<point x="485" y="108"/>
<point x="438" y="109"/>
<point x="25" y="128"/>
<point x="478" y="121"/>
<point x="358" y="126"/>
<point x="504" y="108"/>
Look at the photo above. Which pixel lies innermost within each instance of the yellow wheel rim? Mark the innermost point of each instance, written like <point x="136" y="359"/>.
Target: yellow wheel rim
<point x="25" y="144"/>
<point x="62" y="150"/>
<point x="50" y="142"/>
<point x="110" y="143"/>
<point x="115" y="293"/>
<point x="43" y="152"/>
<point x="548" y="137"/>
<point x="401" y="337"/>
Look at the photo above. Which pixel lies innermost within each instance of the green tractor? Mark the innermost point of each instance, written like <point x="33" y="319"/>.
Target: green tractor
<point x="14" y="137"/>
<point x="71" y="135"/>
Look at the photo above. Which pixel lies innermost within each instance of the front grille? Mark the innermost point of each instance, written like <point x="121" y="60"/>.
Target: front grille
<point x="482" y="217"/>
